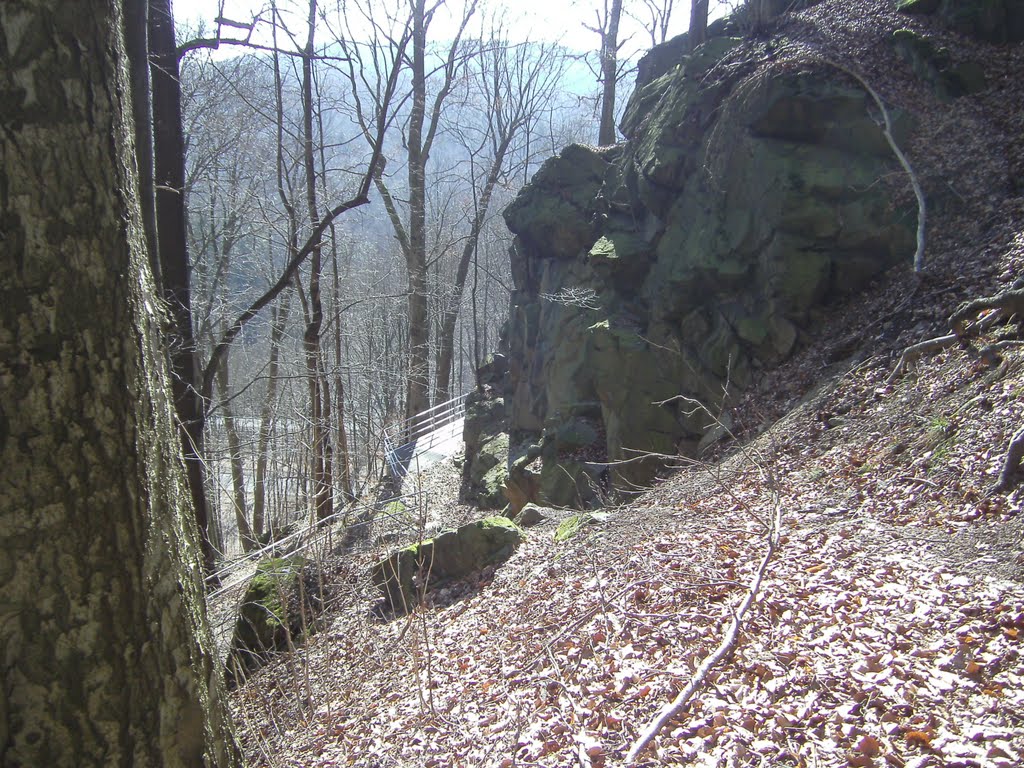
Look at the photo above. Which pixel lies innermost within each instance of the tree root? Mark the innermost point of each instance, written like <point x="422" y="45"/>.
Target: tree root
<point x="911" y="354"/>
<point x="1006" y="305"/>
<point x="965" y="323"/>
<point x="1014" y="453"/>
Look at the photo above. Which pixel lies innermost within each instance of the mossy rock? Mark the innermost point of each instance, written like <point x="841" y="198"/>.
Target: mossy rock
<point x="492" y="495"/>
<point x="394" y="509"/>
<point x="554" y="213"/>
<point x="918" y="7"/>
<point x="486" y="473"/>
<point x="271" y="617"/>
<point x="452" y="554"/>
<point x="533" y="514"/>
<point x="994" y="21"/>
<point x="621" y="257"/>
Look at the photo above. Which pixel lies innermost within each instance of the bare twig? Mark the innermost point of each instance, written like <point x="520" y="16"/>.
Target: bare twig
<point x="725" y="647"/>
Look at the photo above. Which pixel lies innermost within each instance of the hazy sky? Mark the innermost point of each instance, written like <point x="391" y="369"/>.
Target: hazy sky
<point x="550" y="20"/>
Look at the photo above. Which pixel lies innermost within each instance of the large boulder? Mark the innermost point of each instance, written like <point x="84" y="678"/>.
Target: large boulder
<point x="405" y="574"/>
<point x="279" y="605"/>
<point x="935" y="65"/>
<point x="994" y="21"/>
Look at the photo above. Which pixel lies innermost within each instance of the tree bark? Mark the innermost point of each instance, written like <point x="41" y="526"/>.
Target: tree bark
<point x="698" y="22"/>
<point x="609" y="74"/>
<point x="169" y="177"/>
<point x="137" y="38"/>
<point x="106" y="649"/>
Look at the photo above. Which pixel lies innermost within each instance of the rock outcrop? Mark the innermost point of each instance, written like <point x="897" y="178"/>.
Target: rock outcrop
<point x="279" y="605"/>
<point x="656" y="279"/>
<point x="485" y="471"/>
<point x="405" y="574"/>
<point x="994" y="21"/>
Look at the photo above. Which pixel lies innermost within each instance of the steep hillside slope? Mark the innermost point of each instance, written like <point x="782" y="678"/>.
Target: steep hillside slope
<point x="888" y="624"/>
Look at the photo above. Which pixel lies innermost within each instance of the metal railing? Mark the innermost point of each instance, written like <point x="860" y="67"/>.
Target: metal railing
<point x="237" y="572"/>
<point x="404" y="441"/>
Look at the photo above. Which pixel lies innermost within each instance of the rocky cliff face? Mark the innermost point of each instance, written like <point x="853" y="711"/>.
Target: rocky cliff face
<point x="656" y="279"/>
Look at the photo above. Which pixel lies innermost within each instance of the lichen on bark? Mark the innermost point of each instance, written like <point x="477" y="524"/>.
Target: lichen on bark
<point x="102" y="630"/>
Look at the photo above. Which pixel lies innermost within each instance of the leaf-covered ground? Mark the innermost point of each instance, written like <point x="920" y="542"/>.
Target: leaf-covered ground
<point x="890" y="625"/>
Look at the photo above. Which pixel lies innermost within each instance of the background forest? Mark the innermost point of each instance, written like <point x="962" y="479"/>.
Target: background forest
<point x="365" y="314"/>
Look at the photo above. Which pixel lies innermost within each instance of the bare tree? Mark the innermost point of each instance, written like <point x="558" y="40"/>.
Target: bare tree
<point x="515" y="87"/>
<point x="319" y="394"/>
<point x="429" y="88"/>
<point x="654" y="16"/>
<point x="606" y="27"/>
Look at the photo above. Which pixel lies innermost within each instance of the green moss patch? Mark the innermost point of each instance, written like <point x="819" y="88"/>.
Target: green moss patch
<point x="573" y="525"/>
<point x="271" y="616"/>
<point x="405" y="574"/>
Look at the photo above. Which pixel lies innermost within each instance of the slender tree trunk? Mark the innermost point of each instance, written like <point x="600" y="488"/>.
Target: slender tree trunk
<point x="169" y="177"/>
<point x="698" y="22"/>
<point x="319" y="398"/>
<point x="267" y="420"/>
<point x="342" y="456"/>
<point x="107" y="654"/>
<point x="245" y="533"/>
<point x="609" y="74"/>
<point x="446" y="344"/>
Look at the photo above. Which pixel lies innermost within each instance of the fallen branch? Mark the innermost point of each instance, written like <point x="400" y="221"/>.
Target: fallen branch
<point x="724" y="648"/>
<point x="887" y="131"/>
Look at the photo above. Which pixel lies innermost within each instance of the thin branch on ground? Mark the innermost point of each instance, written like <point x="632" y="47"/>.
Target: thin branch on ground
<point x="725" y="647"/>
<point x="887" y="131"/>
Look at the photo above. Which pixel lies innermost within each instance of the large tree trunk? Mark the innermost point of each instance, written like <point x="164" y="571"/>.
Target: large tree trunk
<point x="169" y="174"/>
<point x="106" y="651"/>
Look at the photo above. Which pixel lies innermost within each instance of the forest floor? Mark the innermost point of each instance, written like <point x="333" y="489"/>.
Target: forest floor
<point x="888" y="629"/>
